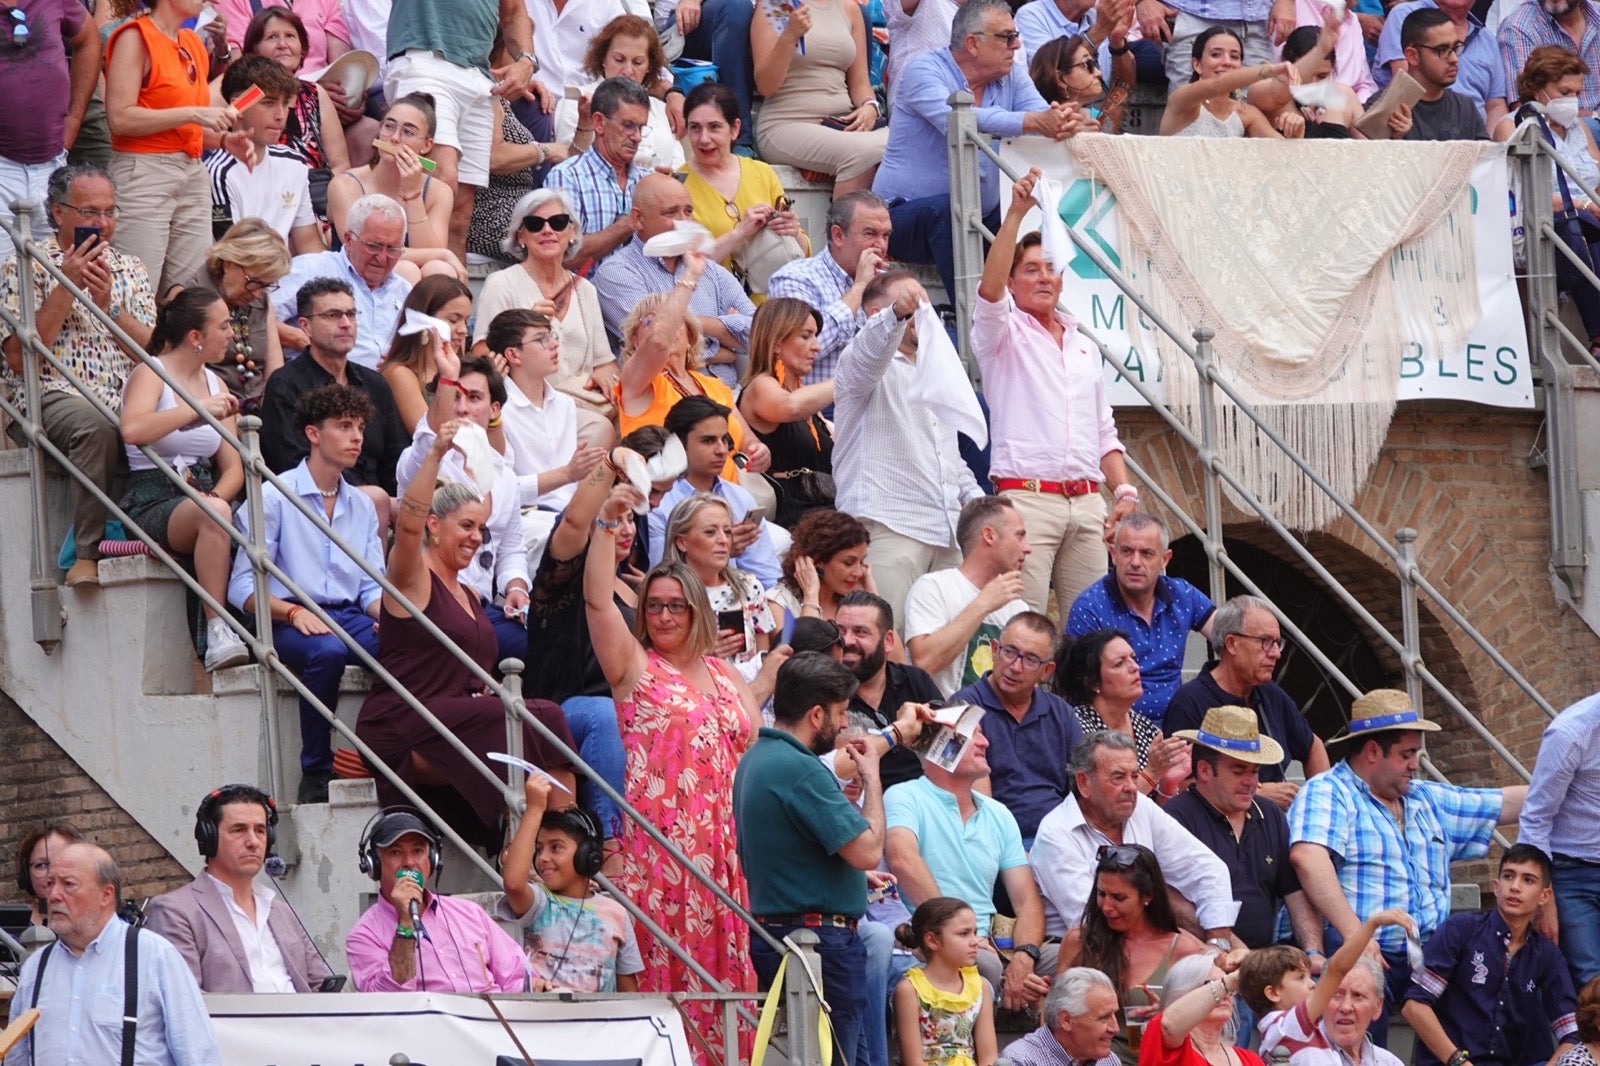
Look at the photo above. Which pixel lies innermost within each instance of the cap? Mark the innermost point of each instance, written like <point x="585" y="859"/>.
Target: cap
<point x="393" y="826"/>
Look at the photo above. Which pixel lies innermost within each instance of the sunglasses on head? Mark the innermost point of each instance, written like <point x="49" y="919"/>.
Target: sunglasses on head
<point x="557" y="223"/>
<point x="1116" y="856"/>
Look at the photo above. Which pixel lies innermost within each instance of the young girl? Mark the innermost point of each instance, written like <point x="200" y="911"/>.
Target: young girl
<point x="944" y="1012"/>
<point x="575" y="940"/>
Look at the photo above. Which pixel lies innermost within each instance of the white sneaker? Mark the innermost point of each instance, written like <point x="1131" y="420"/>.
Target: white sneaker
<point x="223" y="647"/>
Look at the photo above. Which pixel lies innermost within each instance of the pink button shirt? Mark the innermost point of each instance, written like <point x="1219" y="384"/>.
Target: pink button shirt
<point x="1349" y="47"/>
<point x="465" y="952"/>
<point x="1049" y="417"/>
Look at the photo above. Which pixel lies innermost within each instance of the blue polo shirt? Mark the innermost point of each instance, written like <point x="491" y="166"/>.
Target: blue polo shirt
<point x="1505" y="1012"/>
<point x="964" y="857"/>
<point x="1027" y="759"/>
<point x="1179" y="609"/>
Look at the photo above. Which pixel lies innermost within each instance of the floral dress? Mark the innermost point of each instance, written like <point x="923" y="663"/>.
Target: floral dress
<point x="948" y="1020"/>
<point x="683" y="746"/>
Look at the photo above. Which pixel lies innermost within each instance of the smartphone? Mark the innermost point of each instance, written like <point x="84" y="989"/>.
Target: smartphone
<point x="834" y="123"/>
<point x="83" y="234"/>
<point x="332" y="983"/>
<point x="730" y="620"/>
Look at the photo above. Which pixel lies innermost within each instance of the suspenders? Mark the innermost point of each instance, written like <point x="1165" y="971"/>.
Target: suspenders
<point x="130" y="992"/>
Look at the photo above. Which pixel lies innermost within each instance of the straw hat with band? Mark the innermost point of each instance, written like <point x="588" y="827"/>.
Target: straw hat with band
<point x="1383" y="710"/>
<point x="1234" y="731"/>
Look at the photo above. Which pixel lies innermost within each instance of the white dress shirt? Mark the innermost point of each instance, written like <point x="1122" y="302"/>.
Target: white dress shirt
<point x="561" y="38"/>
<point x="267" y="970"/>
<point x="1063" y="861"/>
<point x="539" y="437"/>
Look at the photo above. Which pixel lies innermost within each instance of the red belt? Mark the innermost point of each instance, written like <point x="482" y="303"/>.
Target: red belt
<point x="1051" y="488"/>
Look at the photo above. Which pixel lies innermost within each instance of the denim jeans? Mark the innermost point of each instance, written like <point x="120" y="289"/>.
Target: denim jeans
<point x="593" y="721"/>
<point x="877" y="940"/>
<point x="319" y="662"/>
<point x="723" y="38"/>
<point x="1577" y="892"/>
<point x="844" y="963"/>
<point x="923" y="233"/>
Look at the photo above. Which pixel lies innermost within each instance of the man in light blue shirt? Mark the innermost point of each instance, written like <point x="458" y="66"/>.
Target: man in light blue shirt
<point x="915" y="174"/>
<point x="374" y="239"/>
<point x="80" y="992"/>
<point x="1480" y="75"/>
<point x="333" y="418"/>
<point x="1042" y="21"/>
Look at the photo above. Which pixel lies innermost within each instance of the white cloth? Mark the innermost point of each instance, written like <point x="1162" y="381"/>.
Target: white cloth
<point x="893" y="461"/>
<point x="277" y="191"/>
<point x="942" y="386"/>
<point x="368" y="22"/>
<point x="1063" y="861"/>
<point x="540" y="436"/>
<point x="267" y="970"/>
<point x="933" y="603"/>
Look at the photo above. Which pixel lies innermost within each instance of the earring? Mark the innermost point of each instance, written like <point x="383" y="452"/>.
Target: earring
<point x="198" y="347"/>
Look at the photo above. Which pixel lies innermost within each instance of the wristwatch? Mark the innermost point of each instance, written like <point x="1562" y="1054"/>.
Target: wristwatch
<point x="1030" y="950"/>
<point x="531" y="58"/>
<point x="1222" y="944"/>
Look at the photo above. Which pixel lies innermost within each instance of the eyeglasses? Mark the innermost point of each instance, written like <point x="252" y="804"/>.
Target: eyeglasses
<point x="254" y="284"/>
<point x="376" y="248"/>
<point x="1011" y="654"/>
<point x="632" y="129"/>
<point x="676" y="608"/>
<point x="19" y="32"/>
<point x="193" y="71"/>
<point x="336" y="316"/>
<point x="1010" y="37"/>
<point x="1443" y="50"/>
<point x="831" y="628"/>
<point x="110" y="214"/>
<point x="1267" y="643"/>
<point x="1089" y="63"/>
<point x="1117" y="856"/>
<point x="557" y="223"/>
<point x="542" y="339"/>
<point x="408" y="131"/>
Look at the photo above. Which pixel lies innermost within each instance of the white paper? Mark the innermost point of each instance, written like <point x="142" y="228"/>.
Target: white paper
<point x="479" y="456"/>
<point x="669" y="463"/>
<point x="941" y="383"/>
<point x="207" y="16"/>
<point x="524" y="764"/>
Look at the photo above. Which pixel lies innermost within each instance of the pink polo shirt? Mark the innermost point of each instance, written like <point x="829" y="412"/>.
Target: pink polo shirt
<point x="323" y="19"/>
<point x="1048" y="413"/>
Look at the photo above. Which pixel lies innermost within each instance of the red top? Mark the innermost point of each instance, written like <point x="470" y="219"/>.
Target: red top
<point x="179" y="71"/>
<point x="1153" y="1051"/>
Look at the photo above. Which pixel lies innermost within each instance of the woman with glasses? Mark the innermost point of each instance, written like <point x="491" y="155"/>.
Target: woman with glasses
<point x="1130" y="934"/>
<point x="686" y="718"/>
<point x="33" y="866"/>
<point x="543" y="229"/>
<point x="1066" y="70"/>
<point x="158" y="107"/>
<point x="826" y="561"/>
<point x="408" y="366"/>
<point x="1099" y="675"/>
<point x="1207" y="107"/>
<point x="399" y="169"/>
<point x="1195" y="1026"/>
<point x="625" y="47"/>
<point x="699" y="534"/>
<point x="243" y="267"/>
<point x="731" y="193"/>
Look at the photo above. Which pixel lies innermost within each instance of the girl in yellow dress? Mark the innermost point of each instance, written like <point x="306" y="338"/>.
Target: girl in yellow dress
<point x="944" y="1012"/>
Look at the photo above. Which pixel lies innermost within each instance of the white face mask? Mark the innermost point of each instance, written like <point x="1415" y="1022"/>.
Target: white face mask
<point x="1563" y="110"/>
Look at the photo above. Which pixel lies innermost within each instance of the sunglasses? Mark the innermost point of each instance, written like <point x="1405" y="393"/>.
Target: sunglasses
<point x="1116" y="856"/>
<point x="193" y="71"/>
<point x="557" y="223"/>
<point x="19" y="27"/>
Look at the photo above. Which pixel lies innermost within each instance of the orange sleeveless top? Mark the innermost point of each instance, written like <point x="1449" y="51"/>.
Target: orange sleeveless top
<point x="665" y="393"/>
<point x="179" y="71"/>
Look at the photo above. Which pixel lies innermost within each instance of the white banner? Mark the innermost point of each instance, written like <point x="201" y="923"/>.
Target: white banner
<point x="1493" y="369"/>
<point x="434" y="1029"/>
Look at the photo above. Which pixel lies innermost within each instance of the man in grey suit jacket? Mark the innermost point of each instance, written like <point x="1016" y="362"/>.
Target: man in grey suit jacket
<point x="237" y="935"/>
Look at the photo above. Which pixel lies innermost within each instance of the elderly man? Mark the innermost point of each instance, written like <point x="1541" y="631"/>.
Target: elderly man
<point x="915" y="175"/>
<point x="375" y="234"/>
<point x="899" y="469"/>
<point x="1156" y="611"/>
<point x="601" y="180"/>
<point x="237" y="935"/>
<point x="952" y="615"/>
<point x="947" y="839"/>
<point x="409" y="939"/>
<point x="718" y="300"/>
<point x="1246" y="641"/>
<point x="1354" y="1008"/>
<point x="1080" y="1019"/>
<point x="81" y="196"/>
<point x="835" y="280"/>
<point x="80" y="982"/>
<point x="864" y="628"/>
<point x="1365" y="836"/>
<point x="1559" y="817"/>
<point x="1106" y="809"/>
<point x="1031" y="731"/>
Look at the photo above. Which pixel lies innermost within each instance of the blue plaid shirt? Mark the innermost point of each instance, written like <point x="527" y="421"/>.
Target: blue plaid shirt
<point x="1379" y="863"/>
<point x="820" y="281"/>
<point x="591" y="182"/>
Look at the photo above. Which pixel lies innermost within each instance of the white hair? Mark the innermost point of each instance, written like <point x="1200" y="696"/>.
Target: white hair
<point x="1070" y="993"/>
<point x="530" y="202"/>
<point x="1371" y="967"/>
<point x="1188" y="974"/>
<point x="374" y="203"/>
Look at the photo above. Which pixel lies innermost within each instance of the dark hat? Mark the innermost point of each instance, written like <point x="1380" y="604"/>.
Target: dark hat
<point x="396" y="824"/>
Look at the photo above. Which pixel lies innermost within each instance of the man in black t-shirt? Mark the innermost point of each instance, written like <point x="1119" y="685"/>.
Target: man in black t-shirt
<point x="1433" y="48"/>
<point x="867" y="638"/>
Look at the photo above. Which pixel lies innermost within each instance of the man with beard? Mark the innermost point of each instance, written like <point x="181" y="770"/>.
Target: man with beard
<point x="867" y="638"/>
<point x="1563" y="22"/>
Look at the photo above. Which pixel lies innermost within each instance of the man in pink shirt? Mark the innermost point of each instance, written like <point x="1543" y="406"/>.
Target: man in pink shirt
<point x="449" y="945"/>
<point x="1053" y="438"/>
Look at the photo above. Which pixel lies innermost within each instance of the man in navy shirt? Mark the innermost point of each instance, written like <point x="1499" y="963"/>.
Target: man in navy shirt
<point x="1493" y="990"/>
<point x="1157" y="612"/>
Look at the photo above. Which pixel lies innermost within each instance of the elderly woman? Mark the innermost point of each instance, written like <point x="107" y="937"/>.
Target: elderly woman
<point x="625" y="47"/>
<point x="1099" y="675"/>
<point x="1195" y="1026"/>
<point x="1206" y="107"/>
<point x="1130" y="934"/>
<point x="543" y="228"/>
<point x="826" y="561"/>
<point x="243" y="267"/>
<point x="408" y="366"/>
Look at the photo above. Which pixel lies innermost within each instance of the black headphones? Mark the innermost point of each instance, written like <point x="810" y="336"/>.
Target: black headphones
<point x="590" y="855"/>
<point x="367" y="857"/>
<point x="208" y="816"/>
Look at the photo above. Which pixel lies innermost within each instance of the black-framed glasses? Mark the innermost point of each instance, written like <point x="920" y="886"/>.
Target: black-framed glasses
<point x="1267" y="643"/>
<point x="336" y="316"/>
<point x="1444" y="50"/>
<point x="253" y="283"/>
<point x="110" y="214"/>
<point x="1116" y="856"/>
<point x="557" y="223"/>
<point x="20" y="34"/>
<point x="1010" y="653"/>
<point x="193" y="71"/>
<point x="1088" y="63"/>
<point x="676" y="608"/>
<point x="1010" y="37"/>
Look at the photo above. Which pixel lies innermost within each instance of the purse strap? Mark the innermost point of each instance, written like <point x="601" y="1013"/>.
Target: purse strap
<point x="1561" y="175"/>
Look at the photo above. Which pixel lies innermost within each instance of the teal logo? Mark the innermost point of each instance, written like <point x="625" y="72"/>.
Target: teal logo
<point x="1083" y="206"/>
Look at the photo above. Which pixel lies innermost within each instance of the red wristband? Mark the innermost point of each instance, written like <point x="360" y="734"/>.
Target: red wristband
<point x="452" y="382"/>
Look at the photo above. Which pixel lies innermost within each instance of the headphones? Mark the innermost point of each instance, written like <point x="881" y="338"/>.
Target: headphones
<point x="367" y="857"/>
<point x="208" y="816"/>
<point x="590" y="854"/>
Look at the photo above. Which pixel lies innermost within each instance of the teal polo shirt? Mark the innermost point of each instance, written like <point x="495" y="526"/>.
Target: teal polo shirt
<point x="965" y="858"/>
<point x="791" y="820"/>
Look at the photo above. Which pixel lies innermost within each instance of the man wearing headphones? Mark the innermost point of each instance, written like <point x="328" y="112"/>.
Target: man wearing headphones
<point x="414" y="940"/>
<point x="236" y="934"/>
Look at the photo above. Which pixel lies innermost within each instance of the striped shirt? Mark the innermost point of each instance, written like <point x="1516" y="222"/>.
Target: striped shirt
<point x="591" y="182"/>
<point x="820" y="281"/>
<point x="1527" y="27"/>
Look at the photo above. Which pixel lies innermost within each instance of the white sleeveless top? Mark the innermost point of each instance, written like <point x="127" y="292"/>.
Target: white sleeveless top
<point x="184" y="447"/>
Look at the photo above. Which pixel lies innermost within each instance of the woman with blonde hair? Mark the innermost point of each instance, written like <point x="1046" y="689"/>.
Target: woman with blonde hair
<point x="700" y="534"/>
<point x="408" y="366"/>
<point x="786" y="413"/>
<point x="243" y="267"/>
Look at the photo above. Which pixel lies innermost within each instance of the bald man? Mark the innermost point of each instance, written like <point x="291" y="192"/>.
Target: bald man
<point x="628" y="275"/>
<point x="172" y="1027"/>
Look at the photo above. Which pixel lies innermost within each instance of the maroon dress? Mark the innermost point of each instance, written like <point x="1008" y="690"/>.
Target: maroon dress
<point x="472" y="805"/>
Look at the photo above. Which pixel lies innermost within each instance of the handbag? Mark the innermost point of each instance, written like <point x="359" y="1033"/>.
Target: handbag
<point x="1569" y="221"/>
<point x="757" y="259"/>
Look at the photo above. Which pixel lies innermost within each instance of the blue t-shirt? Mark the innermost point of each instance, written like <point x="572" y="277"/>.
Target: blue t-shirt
<point x="1179" y="609"/>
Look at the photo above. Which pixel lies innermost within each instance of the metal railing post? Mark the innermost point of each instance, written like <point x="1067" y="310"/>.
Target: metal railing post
<point x="255" y="511"/>
<point x="1410" y="628"/>
<point x="1203" y="364"/>
<point x="800" y="1001"/>
<point x="43" y="594"/>
<point x="511" y="674"/>
<point x="966" y="216"/>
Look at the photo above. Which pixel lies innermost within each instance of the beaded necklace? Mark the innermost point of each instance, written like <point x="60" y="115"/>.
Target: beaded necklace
<point x="239" y="320"/>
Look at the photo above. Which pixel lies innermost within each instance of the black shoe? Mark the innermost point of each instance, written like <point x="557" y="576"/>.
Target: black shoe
<point x="314" y="786"/>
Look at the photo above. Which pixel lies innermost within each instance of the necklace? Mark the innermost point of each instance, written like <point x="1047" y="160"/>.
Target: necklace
<point x="330" y="494"/>
<point x="245" y="365"/>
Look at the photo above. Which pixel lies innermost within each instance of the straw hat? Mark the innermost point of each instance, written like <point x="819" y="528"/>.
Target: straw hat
<point x="1381" y="710"/>
<point x="355" y="71"/>
<point x="1234" y="731"/>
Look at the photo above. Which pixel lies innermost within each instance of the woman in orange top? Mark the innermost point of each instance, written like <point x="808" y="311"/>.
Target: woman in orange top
<point x="158" y="106"/>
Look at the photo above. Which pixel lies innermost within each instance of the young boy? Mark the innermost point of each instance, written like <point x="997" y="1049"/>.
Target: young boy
<point x="575" y="939"/>
<point x="1277" y="984"/>
<point x="1493" y="989"/>
<point x="276" y="189"/>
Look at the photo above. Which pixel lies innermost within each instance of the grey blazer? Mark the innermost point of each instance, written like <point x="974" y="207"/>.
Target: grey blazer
<point x="196" y="921"/>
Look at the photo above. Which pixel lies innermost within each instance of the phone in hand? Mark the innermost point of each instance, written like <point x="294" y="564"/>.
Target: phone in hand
<point x="81" y="235"/>
<point x="332" y="983"/>
<point x="730" y="620"/>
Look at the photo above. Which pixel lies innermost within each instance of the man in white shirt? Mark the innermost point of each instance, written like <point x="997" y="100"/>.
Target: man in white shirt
<point x="237" y="935"/>
<point x="1106" y="812"/>
<point x="952" y="615"/>
<point x="276" y="187"/>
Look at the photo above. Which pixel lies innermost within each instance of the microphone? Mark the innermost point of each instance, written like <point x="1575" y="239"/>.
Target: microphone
<point x="275" y="867"/>
<point x="415" y="877"/>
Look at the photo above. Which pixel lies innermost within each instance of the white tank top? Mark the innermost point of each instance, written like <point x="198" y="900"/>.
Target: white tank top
<point x="184" y="447"/>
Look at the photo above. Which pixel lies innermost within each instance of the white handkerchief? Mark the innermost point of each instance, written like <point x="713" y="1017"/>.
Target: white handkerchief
<point x="941" y="383"/>
<point x="1054" y="241"/>
<point x="1314" y="94"/>
<point x="479" y="457"/>
<point x="417" y="322"/>
<point x="667" y="464"/>
<point x="684" y="236"/>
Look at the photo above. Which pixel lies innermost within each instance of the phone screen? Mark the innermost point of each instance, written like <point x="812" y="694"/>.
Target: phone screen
<point x="730" y="620"/>
<point x="82" y="234"/>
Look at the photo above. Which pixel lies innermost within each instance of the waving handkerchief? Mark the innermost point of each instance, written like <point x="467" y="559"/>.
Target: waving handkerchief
<point x="1054" y="241"/>
<point x="684" y="236"/>
<point x="417" y="322"/>
<point x="669" y="463"/>
<point x="941" y="383"/>
<point x="479" y="456"/>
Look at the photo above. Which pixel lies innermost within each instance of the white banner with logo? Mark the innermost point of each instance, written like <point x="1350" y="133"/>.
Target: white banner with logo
<point x="430" y="1029"/>
<point x="1493" y="369"/>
